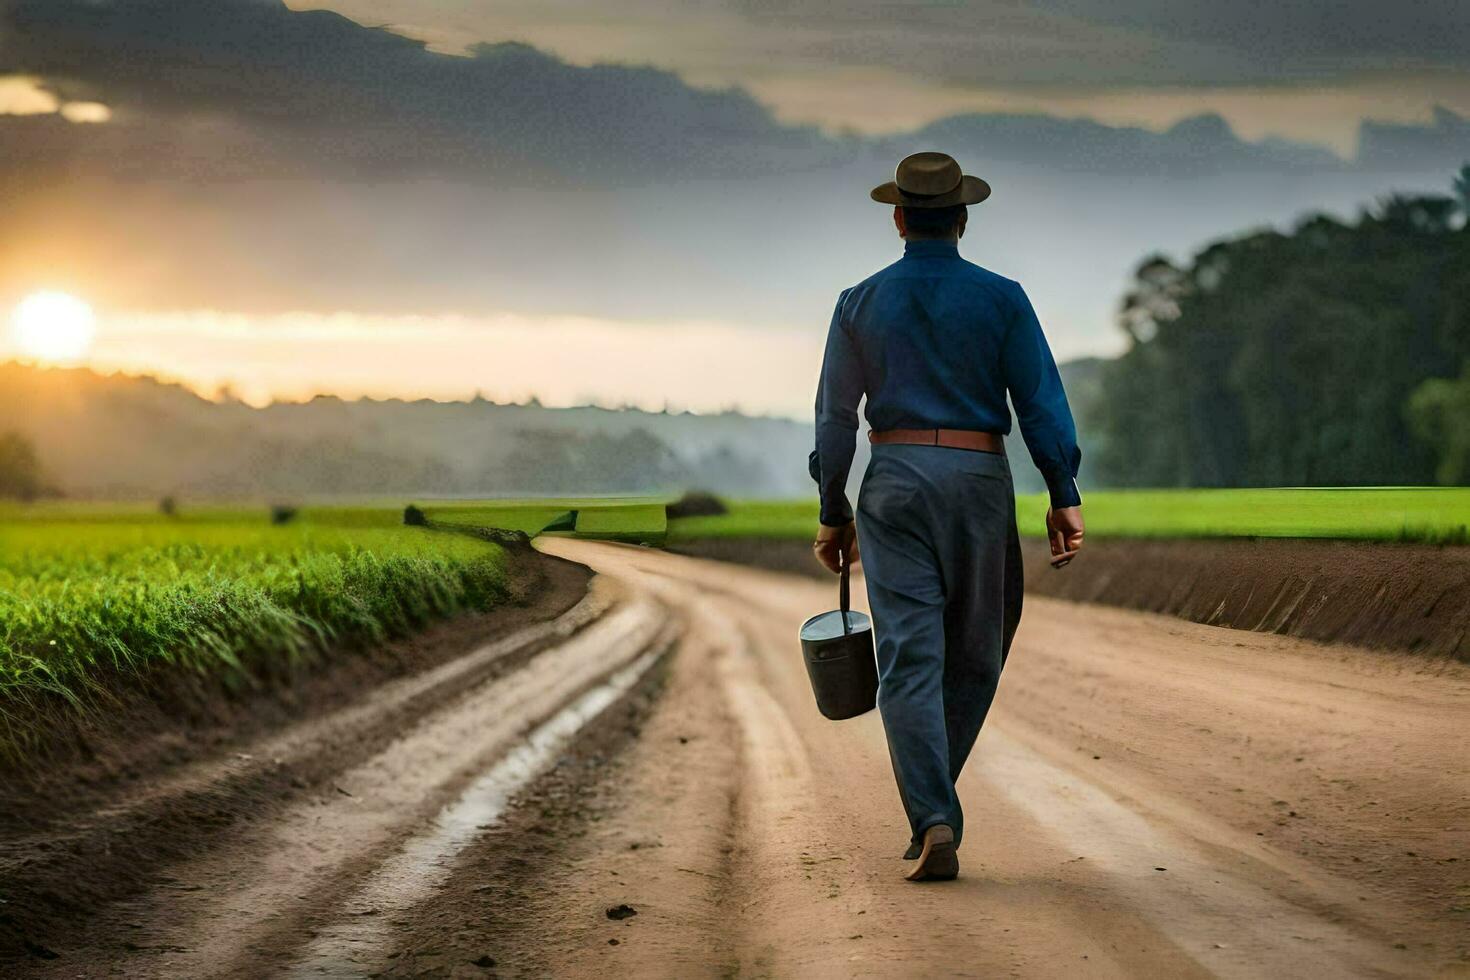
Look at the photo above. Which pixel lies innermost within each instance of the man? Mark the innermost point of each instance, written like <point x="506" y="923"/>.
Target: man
<point x="936" y="343"/>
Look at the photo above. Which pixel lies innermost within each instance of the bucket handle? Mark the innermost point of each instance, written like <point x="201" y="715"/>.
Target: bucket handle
<point x="843" y="596"/>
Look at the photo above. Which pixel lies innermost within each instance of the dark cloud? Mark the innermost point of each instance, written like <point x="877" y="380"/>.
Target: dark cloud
<point x="250" y="88"/>
<point x="1444" y="144"/>
<point x="1273" y="40"/>
<point x="1198" y="145"/>
<point x="1126" y="43"/>
<point x="280" y="89"/>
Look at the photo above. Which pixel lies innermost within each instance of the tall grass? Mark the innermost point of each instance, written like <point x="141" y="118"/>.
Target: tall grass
<point x="88" y="604"/>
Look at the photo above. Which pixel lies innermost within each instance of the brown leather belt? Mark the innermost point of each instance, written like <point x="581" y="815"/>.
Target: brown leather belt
<point x="980" y="442"/>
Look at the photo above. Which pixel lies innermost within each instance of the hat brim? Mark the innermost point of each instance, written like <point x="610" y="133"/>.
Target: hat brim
<point x="971" y="190"/>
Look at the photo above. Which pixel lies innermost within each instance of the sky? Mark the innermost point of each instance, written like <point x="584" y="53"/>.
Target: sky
<point x="1305" y="70"/>
<point x="654" y="204"/>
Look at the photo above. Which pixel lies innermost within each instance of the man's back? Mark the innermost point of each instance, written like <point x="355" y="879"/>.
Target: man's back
<point x="930" y="332"/>
<point x="936" y="342"/>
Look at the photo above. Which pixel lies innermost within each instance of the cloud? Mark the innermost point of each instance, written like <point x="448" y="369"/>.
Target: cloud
<point x="286" y="91"/>
<point x="1252" y="41"/>
<point x="1127" y="43"/>
<point x="253" y="89"/>
<point x="993" y="44"/>
<point x="1444" y="144"/>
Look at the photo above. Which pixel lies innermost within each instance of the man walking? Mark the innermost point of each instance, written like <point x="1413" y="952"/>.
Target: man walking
<point x="936" y="343"/>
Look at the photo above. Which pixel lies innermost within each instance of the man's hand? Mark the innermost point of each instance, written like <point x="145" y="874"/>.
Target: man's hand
<point x="836" y="544"/>
<point x="1064" y="532"/>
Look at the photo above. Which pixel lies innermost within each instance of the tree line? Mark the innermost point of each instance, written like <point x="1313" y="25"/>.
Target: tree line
<point x="1337" y="354"/>
<point x="554" y="462"/>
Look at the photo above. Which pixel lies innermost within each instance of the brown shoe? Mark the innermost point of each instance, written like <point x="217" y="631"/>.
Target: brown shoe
<point x="938" y="860"/>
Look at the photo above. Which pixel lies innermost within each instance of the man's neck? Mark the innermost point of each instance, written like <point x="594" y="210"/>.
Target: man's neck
<point x="946" y="239"/>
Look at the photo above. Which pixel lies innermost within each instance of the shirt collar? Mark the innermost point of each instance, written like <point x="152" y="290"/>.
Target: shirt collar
<point x="931" y="247"/>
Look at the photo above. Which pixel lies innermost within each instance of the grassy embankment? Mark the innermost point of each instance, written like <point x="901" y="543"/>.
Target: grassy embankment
<point x="95" y="599"/>
<point x="1434" y="515"/>
<point x="635" y="519"/>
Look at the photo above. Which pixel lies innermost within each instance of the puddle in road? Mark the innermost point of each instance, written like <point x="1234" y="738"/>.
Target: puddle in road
<point x="424" y="862"/>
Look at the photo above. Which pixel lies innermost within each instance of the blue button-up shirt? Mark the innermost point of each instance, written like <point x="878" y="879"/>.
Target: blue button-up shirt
<point x="936" y="342"/>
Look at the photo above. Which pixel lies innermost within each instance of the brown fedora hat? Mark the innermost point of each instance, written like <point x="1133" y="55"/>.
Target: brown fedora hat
<point x="930" y="180"/>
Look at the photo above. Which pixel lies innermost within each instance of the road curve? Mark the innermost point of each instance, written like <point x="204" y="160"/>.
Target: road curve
<point x="1151" y="798"/>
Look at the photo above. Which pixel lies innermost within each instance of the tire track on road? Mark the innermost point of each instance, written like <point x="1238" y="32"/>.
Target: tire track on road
<point x="241" y="910"/>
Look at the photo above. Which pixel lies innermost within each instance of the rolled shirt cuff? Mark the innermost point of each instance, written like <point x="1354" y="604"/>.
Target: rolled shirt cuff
<point x="836" y="514"/>
<point x="1063" y="491"/>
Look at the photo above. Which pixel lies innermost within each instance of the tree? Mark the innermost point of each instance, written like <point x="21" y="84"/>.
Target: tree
<point x="20" y="468"/>
<point x="1154" y="300"/>
<point x="1439" y="411"/>
<point x="1290" y="359"/>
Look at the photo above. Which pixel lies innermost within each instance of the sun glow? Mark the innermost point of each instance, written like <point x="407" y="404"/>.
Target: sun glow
<point x="53" y="327"/>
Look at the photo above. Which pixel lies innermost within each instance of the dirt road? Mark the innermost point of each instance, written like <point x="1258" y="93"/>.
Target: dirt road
<point x="1151" y="798"/>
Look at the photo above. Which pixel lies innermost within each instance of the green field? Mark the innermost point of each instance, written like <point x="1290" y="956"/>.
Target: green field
<point x="1388" y="514"/>
<point x="636" y="519"/>
<point x="95" y="598"/>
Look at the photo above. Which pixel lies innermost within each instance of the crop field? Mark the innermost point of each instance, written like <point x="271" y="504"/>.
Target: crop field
<point x="1436" y="515"/>
<point x="97" y="595"/>
<point x="90" y="596"/>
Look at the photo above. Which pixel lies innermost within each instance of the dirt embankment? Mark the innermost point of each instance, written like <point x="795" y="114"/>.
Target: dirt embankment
<point x="1389" y="596"/>
<point x="1393" y="596"/>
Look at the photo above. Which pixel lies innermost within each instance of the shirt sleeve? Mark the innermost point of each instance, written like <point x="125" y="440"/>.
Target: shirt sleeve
<point x="839" y="391"/>
<point x="1035" y="387"/>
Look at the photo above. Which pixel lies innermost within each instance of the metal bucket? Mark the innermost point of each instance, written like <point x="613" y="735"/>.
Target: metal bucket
<point x="838" y="649"/>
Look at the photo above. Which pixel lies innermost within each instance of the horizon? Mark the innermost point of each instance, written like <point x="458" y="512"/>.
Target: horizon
<point x="225" y="395"/>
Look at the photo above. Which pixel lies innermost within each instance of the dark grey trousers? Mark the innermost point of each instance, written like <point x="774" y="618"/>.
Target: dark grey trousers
<point x="937" y="531"/>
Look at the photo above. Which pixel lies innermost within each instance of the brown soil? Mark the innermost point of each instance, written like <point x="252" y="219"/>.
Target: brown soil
<point x="1393" y="596"/>
<point x="1387" y="596"/>
<point x="537" y="884"/>
<point x="72" y="836"/>
<point x="788" y="555"/>
<point x="1151" y="797"/>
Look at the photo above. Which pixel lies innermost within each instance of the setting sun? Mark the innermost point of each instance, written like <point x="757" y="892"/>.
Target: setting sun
<point x="52" y="326"/>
